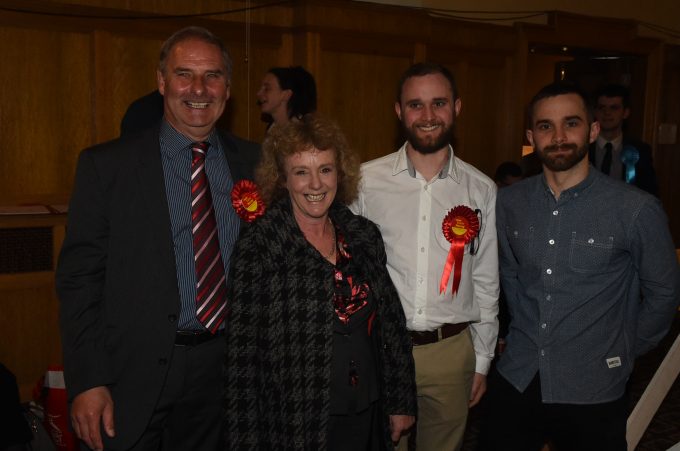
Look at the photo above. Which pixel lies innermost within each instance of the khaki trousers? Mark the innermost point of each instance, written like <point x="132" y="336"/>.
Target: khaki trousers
<point x="444" y="372"/>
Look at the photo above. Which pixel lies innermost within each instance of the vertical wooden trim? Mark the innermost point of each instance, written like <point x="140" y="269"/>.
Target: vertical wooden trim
<point x="102" y="86"/>
<point x="655" y="64"/>
<point x="285" y="56"/>
<point x="419" y="52"/>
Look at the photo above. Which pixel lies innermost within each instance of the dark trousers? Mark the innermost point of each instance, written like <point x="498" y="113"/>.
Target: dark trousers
<point x="357" y="432"/>
<point x="518" y="421"/>
<point x="188" y="415"/>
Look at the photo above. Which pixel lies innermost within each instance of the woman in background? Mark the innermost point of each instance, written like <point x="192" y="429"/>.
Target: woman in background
<point x="286" y="93"/>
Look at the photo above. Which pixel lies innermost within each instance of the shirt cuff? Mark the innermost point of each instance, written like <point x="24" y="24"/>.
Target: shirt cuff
<point x="482" y="365"/>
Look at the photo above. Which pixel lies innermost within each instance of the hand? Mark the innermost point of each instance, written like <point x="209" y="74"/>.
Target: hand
<point x="89" y="411"/>
<point x="478" y="389"/>
<point x="399" y="424"/>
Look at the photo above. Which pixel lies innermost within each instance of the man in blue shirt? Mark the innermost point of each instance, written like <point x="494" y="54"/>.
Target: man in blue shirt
<point x="590" y="274"/>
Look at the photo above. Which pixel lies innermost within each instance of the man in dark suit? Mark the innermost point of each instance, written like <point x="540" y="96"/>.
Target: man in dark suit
<point x="142" y="113"/>
<point x="614" y="153"/>
<point x="142" y="354"/>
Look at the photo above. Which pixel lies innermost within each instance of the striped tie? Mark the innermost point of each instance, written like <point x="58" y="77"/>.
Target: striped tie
<point x="210" y="276"/>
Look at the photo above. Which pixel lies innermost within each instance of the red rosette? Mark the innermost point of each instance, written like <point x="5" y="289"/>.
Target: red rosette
<point x="460" y="226"/>
<point x="247" y="201"/>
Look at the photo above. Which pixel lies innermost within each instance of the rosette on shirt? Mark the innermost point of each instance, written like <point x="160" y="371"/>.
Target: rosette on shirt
<point x="460" y="226"/>
<point x="247" y="201"/>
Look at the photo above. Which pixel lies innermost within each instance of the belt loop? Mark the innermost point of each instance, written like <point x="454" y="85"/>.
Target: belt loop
<point x="439" y="334"/>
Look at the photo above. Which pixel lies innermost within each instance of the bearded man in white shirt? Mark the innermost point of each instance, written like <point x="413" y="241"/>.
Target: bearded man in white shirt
<point x="437" y="217"/>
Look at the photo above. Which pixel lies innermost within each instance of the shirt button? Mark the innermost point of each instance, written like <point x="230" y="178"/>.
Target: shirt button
<point x="549" y="271"/>
<point x="543" y="326"/>
<point x="424" y="218"/>
<point x="555" y="213"/>
<point x="172" y="318"/>
<point x="420" y="311"/>
<point x="162" y="362"/>
<point x="542" y="352"/>
<point x="548" y="297"/>
<point x="591" y="241"/>
<point x="422" y="249"/>
<point x="551" y="242"/>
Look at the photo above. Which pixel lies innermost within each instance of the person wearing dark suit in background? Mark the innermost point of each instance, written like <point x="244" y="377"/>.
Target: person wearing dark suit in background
<point x="141" y="275"/>
<point x="286" y="93"/>
<point x="142" y="113"/>
<point x="615" y="153"/>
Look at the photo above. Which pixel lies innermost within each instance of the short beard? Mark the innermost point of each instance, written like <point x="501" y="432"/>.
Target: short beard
<point x="446" y="137"/>
<point x="564" y="162"/>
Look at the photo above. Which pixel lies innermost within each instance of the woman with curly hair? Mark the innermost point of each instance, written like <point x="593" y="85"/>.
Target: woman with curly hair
<point x="318" y="356"/>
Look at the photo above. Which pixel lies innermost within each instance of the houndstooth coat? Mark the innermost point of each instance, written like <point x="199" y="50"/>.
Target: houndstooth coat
<point x="279" y="333"/>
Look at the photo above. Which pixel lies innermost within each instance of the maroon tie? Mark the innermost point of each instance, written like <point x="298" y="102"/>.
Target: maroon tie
<point x="210" y="277"/>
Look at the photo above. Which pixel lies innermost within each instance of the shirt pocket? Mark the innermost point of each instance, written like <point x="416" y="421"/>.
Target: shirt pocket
<point x="521" y="241"/>
<point x="589" y="253"/>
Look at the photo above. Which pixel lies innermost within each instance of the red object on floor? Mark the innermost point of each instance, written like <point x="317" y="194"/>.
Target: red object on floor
<point x="55" y="401"/>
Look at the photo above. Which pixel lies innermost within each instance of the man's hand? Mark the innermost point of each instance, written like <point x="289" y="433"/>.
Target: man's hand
<point x="399" y="424"/>
<point x="478" y="389"/>
<point x="89" y="411"/>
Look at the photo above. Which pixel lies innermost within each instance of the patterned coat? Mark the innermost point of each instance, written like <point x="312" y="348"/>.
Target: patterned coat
<point x="279" y="333"/>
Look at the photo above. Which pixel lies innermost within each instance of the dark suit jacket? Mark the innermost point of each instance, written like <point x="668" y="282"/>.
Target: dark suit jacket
<point x="645" y="177"/>
<point x="116" y="277"/>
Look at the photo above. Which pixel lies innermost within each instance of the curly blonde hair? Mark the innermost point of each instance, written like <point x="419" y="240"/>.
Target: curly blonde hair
<point x="311" y="131"/>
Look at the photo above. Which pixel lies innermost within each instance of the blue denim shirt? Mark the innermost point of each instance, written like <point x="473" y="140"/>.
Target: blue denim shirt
<point x="591" y="280"/>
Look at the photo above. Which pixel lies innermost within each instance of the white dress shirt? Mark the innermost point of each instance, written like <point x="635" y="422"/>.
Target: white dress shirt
<point x="409" y="211"/>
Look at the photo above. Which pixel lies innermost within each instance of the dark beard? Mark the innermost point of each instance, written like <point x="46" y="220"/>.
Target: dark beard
<point x="563" y="162"/>
<point x="447" y="136"/>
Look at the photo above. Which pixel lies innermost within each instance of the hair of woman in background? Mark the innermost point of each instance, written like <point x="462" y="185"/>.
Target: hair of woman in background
<point x="286" y="93"/>
<point x="318" y="355"/>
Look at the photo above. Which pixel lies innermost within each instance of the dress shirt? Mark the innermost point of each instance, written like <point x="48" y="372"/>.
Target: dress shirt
<point x="616" y="168"/>
<point x="409" y="211"/>
<point x="573" y="270"/>
<point x="176" y="156"/>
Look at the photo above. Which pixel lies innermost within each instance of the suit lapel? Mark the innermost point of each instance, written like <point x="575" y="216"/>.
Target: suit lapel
<point x="234" y="156"/>
<point x="152" y="192"/>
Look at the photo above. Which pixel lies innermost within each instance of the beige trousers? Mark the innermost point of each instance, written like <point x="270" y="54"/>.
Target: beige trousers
<point x="444" y="372"/>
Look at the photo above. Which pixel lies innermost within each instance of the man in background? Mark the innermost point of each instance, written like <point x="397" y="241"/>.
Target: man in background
<point x="615" y="153"/>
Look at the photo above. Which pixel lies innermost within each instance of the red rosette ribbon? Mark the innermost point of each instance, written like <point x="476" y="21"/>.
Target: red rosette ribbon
<point x="247" y="201"/>
<point x="460" y="226"/>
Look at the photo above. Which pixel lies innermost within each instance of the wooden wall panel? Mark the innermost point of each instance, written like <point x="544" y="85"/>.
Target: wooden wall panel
<point x="481" y="140"/>
<point x="272" y="15"/>
<point x="68" y="80"/>
<point x="29" y="322"/>
<point x="242" y="115"/>
<point x="132" y="61"/>
<point x="45" y="104"/>
<point x="358" y="90"/>
<point x="667" y="156"/>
